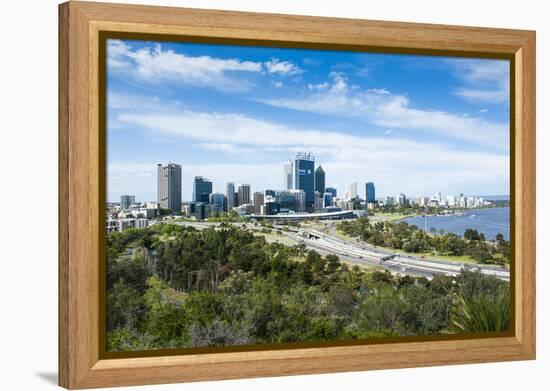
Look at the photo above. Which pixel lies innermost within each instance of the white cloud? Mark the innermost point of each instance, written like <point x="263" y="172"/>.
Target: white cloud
<point x="481" y="71"/>
<point x="218" y="129"/>
<point x="223" y="147"/>
<point x="153" y="63"/>
<point x="340" y="83"/>
<point x="157" y="64"/>
<point x="379" y="91"/>
<point x="285" y="68"/>
<point x="395" y="164"/>
<point x="311" y="61"/>
<point x="318" y="87"/>
<point x="382" y="108"/>
<point x="486" y="81"/>
<point x="225" y="131"/>
<point x="483" y="96"/>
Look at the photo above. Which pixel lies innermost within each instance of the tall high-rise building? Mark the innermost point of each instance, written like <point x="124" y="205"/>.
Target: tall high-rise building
<point x="304" y="178"/>
<point x="402" y="200"/>
<point x="300" y="201"/>
<point x="200" y="210"/>
<point x="286" y="201"/>
<point x="319" y="201"/>
<point x="202" y="188"/>
<point x="287" y="172"/>
<point x="370" y="194"/>
<point x="243" y="194"/>
<point x="258" y="202"/>
<point x="169" y="186"/>
<point x="271" y="207"/>
<point x="126" y="201"/>
<point x="217" y="202"/>
<point x="424" y="201"/>
<point x="230" y="194"/>
<point x="352" y="191"/>
<point x="327" y="199"/>
<point x="331" y="191"/>
<point x="269" y="192"/>
<point x="462" y="201"/>
<point x="320" y="180"/>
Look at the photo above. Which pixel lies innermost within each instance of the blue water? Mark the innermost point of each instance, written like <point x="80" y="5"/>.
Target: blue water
<point x="495" y="197"/>
<point x="490" y="221"/>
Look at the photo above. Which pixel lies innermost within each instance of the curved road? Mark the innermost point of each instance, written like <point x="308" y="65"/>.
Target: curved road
<point x="361" y="254"/>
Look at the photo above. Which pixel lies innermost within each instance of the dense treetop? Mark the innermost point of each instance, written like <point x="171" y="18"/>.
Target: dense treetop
<point x="171" y="286"/>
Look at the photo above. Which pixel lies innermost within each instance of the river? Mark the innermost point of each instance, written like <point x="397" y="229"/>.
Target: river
<point x="490" y="221"/>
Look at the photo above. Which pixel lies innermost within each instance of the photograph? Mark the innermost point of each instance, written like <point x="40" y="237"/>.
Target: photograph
<point x="268" y="196"/>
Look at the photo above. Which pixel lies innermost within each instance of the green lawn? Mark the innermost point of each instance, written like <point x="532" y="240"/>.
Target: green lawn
<point x="389" y="216"/>
<point x="344" y="236"/>
<point x="276" y="238"/>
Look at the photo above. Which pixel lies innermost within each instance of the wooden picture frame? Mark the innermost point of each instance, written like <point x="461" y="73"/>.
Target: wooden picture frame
<point x="81" y="164"/>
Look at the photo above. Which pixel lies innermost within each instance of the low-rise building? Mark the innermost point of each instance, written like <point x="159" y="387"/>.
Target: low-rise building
<point x="119" y="225"/>
<point x="337" y="215"/>
<point x="245" y="209"/>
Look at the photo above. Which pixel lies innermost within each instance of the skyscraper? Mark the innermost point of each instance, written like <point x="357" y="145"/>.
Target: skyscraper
<point x="304" y="178"/>
<point x="271" y="207"/>
<point x="286" y="200"/>
<point x="320" y="180"/>
<point x="202" y="188"/>
<point x="402" y="200"/>
<point x="169" y="186"/>
<point x="230" y="194"/>
<point x="352" y="191"/>
<point x="243" y="194"/>
<point x="332" y="191"/>
<point x="258" y="202"/>
<point x="370" y="194"/>
<point x="217" y="202"/>
<point x="200" y="210"/>
<point x="319" y="201"/>
<point x="299" y="197"/>
<point x="287" y="179"/>
<point x="327" y="199"/>
<point x="269" y="192"/>
<point x="126" y="201"/>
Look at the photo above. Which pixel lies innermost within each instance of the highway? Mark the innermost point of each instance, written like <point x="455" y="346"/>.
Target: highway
<point x="326" y="242"/>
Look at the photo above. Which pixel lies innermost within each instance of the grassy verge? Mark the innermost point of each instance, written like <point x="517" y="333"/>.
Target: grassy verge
<point x="272" y="237"/>
<point x="390" y="216"/>
<point x="344" y="236"/>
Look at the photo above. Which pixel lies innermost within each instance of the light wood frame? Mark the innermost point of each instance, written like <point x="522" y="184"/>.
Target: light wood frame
<point x="80" y="222"/>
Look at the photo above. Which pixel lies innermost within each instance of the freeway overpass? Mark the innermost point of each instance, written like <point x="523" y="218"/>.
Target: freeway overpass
<point x="364" y="255"/>
<point x="406" y="264"/>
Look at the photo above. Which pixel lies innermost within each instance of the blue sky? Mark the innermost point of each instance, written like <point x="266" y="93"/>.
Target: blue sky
<point x="412" y="124"/>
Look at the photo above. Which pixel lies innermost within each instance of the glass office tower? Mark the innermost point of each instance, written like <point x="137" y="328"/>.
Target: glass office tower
<point x="304" y="177"/>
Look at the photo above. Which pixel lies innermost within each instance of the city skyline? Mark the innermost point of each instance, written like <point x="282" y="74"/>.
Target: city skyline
<point x="366" y="118"/>
<point x="232" y="189"/>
